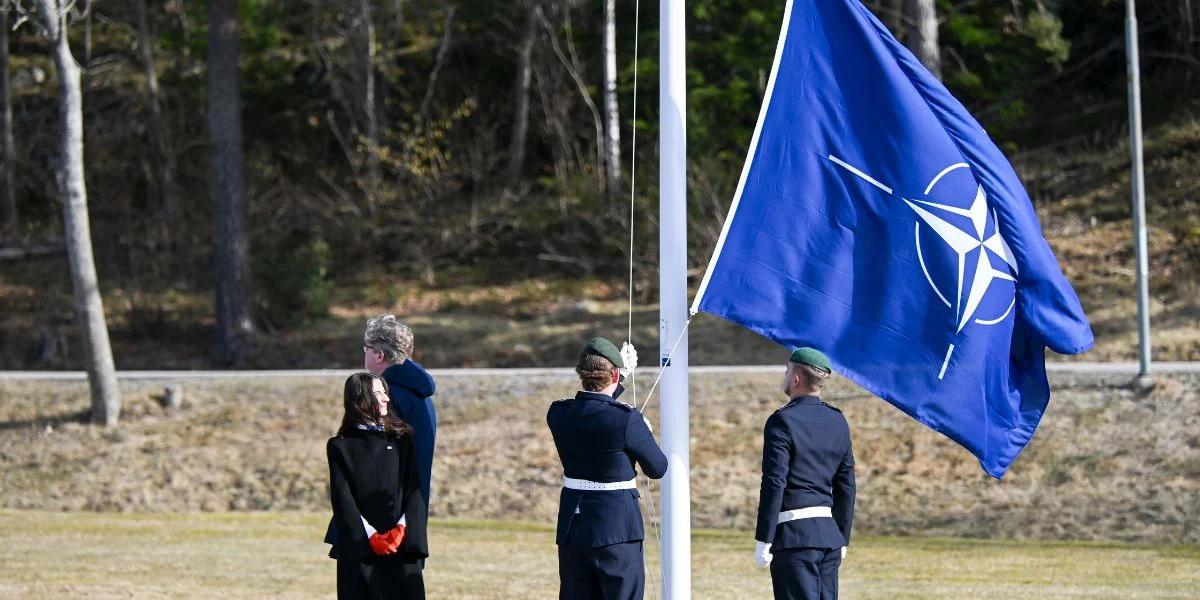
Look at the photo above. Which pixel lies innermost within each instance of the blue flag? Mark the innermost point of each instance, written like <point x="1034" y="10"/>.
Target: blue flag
<point x="875" y="220"/>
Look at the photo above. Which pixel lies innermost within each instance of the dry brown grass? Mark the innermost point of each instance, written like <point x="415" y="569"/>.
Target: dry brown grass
<point x="256" y="555"/>
<point x="1105" y="465"/>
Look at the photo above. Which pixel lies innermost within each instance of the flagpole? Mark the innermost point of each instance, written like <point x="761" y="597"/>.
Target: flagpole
<point x="676" y="552"/>
<point x="1139" y="194"/>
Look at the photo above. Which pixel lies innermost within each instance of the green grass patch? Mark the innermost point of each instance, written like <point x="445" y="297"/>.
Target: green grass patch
<point x="254" y="555"/>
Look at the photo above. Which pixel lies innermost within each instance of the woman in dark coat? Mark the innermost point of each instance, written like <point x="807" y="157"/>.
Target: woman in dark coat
<point x="375" y="490"/>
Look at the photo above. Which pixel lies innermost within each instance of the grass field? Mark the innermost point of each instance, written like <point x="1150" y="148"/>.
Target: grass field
<point x="258" y="555"/>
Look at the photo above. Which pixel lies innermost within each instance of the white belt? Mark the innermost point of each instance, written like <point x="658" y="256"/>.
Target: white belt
<point x="811" y="512"/>
<point x="593" y="486"/>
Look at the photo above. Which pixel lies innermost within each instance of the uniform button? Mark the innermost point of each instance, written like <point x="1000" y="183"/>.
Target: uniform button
<point x="391" y="502"/>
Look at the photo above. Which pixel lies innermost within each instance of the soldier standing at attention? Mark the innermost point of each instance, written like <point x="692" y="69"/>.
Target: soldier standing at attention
<point x="806" y="504"/>
<point x="598" y="440"/>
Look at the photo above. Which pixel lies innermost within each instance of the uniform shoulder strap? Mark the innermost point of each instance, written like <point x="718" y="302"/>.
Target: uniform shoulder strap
<point x="788" y="405"/>
<point x="831" y="407"/>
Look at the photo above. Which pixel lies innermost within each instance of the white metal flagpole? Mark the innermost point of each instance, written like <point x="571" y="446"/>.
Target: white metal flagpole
<point x="676" y="552"/>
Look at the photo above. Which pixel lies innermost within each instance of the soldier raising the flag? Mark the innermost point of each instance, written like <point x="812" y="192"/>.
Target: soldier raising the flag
<point x="806" y="505"/>
<point x="599" y="440"/>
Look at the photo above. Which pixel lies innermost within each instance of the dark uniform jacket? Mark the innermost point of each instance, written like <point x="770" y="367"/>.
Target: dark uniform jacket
<point x="600" y="439"/>
<point x="375" y="476"/>
<point x="807" y="461"/>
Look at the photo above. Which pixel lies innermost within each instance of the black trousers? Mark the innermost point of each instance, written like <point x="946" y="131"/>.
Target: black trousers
<point x="394" y="577"/>
<point x="614" y="572"/>
<point x="806" y="573"/>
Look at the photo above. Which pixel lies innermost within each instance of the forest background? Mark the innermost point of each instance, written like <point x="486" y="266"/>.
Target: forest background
<point x="469" y="164"/>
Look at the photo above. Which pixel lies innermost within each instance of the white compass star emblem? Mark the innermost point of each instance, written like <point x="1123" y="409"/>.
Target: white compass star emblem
<point x="963" y="243"/>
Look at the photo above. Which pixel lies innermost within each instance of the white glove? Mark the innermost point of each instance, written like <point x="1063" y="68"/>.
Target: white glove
<point x="843" y="553"/>
<point x="629" y="357"/>
<point x="762" y="553"/>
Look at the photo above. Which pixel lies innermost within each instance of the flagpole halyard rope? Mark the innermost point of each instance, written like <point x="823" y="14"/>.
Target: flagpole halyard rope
<point x="657" y="536"/>
<point x="633" y="161"/>
<point x="663" y="368"/>
<point x="649" y="496"/>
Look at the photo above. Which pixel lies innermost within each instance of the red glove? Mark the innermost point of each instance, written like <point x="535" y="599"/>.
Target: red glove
<point x="388" y="542"/>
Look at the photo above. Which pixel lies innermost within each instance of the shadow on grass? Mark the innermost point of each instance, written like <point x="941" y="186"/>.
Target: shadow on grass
<point x="82" y="417"/>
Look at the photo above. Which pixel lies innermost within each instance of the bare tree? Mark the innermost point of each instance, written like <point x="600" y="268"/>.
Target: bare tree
<point x="8" y="204"/>
<point x="368" y="117"/>
<point x="1187" y="33"/>
<point x="183" y="58"/>
<point x="387" y="87"/>
<point x="87" y="44"/>
<point x="571" y="65"/>
<point x="920" y="20"/>
<point x="89" y="308"/>
<point x="520" y="130"/>
<point x="158" y="130"/>
<point x="891" y="12"/>
<point x="612" y="120"/>
<point x="398" y="9"/>
<point x="230" y="243"/>
<point x="438" y="63"/>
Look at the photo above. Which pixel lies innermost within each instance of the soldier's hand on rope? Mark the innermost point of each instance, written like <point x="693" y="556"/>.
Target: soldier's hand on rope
<point x="843" y="553"/>
<point x="629" y="357"/>
<point x="762" y="554"/>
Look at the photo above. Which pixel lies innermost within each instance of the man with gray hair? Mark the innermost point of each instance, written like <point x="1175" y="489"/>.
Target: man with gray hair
<point x="387" y="352"/>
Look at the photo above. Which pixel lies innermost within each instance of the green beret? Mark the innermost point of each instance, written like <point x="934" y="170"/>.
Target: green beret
<point x="602" y="347"/>
<point x="811" y="357"/>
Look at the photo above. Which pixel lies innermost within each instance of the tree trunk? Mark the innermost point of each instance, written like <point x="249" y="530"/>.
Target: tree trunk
<point x="369" y="121"/>
<point x="920" y="18"/>
<point x="571" y="67"/>
<point x="183" y="58"/>
<point x="891" y="12"/>
<point x="438" y="63"/>
<point x="398" y="9"/>
<point x="158" y="130"/>
<point x="612" y="120"/>
<point x="87" y="45"/>
<point x="89" y="308"/>
<point x="520" y="131"/>
<point x="8" y="204"/>
<point x="230" y="244"/>
<point x="1187" y="34"/>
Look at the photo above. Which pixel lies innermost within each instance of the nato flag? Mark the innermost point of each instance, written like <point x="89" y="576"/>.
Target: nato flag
<point x="875" y="220"/>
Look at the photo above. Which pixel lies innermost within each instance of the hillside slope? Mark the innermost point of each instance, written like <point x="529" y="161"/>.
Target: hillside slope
<point x="1105" y="464"/>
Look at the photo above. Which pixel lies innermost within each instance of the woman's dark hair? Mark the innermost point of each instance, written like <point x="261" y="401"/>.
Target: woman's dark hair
<point x="362" y="408"/>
